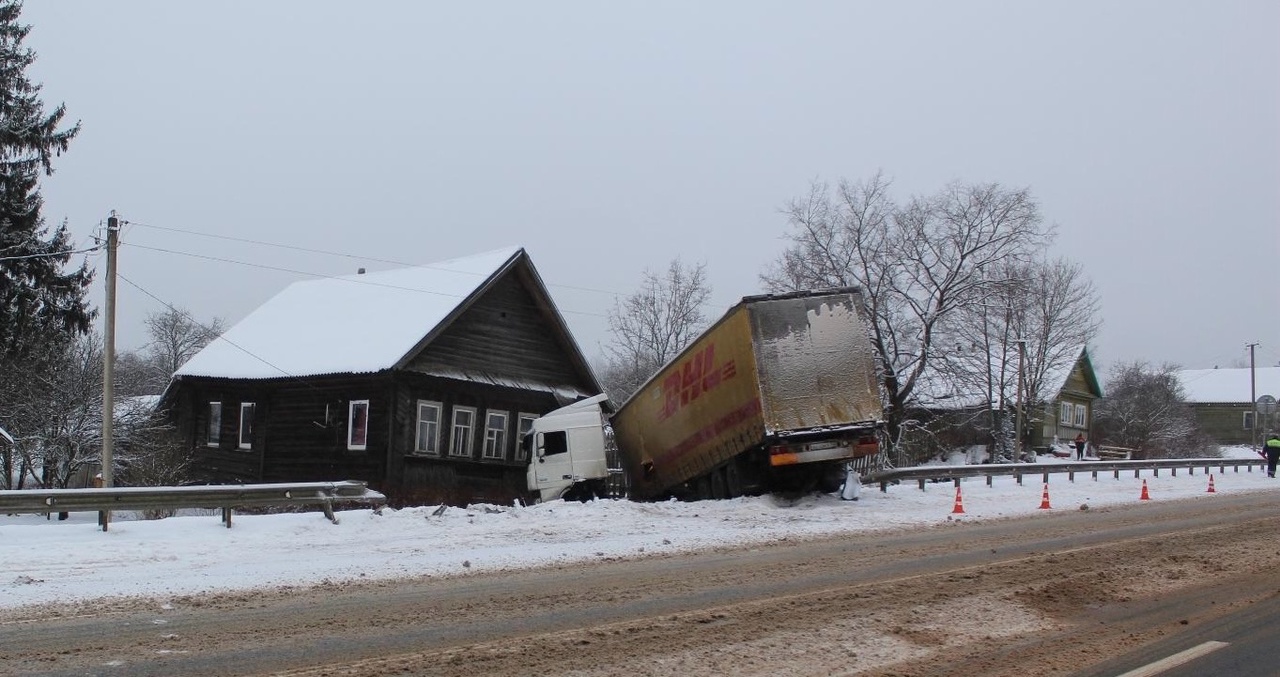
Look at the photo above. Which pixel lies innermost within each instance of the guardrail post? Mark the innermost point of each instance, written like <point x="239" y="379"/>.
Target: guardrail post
<point x="226" y="517"/>
<point x="921" y="484"/>
<point x="1135" y="473"/>
<point x="884" y="486"/>
<point x="1118" y="473"/>
<point x="1018" y="476"/>
<point x="1046" y="477"/>
<point x="989" y="476"/>
<point x="1172" y="470"/>
<point x="1071" y="476"/>
<point x="1095" y="476"/>
<point x="957" y="482"/>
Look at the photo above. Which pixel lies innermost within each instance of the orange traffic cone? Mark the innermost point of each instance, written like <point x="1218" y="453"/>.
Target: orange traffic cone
<point x="1211" y="489"/>
<point x="1145" y="496"/>
<point x="1044" y="498"/>
<point x="959" y="509"/>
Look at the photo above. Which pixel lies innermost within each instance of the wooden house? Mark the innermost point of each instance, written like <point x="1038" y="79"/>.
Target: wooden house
<point x="1067" y="405"/>
<point x="1222" y="402"/>
<point x="956" y="410"/>
<point x="420" y="381"/>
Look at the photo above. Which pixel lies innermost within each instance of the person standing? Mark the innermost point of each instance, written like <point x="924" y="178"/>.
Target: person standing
<point x="1080" y="446"/>
<point x="1273" y="454"/>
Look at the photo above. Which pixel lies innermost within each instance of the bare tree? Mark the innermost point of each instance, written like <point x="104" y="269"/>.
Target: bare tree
<point x="60" y="428"/>
<point x="153" y="453"/>
<point x="917" y="264"/>
<point x="1145" y="410"/>
<point x="1028" y="329"/>
<point x="175" y="338"/>
<point x="653" y="325"/>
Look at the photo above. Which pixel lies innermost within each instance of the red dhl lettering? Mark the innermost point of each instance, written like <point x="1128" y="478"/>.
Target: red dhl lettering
<point x="742" y="414"/>
<point x="692" y="378"/>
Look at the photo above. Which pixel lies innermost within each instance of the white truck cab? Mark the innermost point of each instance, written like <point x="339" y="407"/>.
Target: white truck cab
<point x="566" y="451"/>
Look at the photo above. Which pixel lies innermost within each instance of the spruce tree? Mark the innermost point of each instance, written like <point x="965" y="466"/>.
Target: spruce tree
<point x="40" y="302"/>
<point x="43" y="309"/>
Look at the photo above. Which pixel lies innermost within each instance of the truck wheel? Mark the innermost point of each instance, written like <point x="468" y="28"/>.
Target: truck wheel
<point x="718" y="492"/>
<point x="703" y="488"/>
<point x="732" y="479"/>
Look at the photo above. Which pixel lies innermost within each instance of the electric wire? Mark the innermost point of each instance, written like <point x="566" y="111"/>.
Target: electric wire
<point x="221" y="336"/>
<point x="356" y="257"/>
<point x="346" y="278"/>
<point x="46" y="255"/>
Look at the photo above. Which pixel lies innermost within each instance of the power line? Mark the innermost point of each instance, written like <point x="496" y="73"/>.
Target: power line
<point x="321" y="275"/>
<point x="221" y="336"/>
<point x="46" y="255"/>
<point x="357" y="257"/>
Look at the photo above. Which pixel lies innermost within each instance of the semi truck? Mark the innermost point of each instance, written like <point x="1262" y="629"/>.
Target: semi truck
<point x="780" y="394"/>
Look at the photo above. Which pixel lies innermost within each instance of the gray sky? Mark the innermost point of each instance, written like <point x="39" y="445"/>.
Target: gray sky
<point x="610" y="138"/>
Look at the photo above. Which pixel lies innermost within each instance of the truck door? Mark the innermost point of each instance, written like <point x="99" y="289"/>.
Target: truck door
<point x="553" y="465"/>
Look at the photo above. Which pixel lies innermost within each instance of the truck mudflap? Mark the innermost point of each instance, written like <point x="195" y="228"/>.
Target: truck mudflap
<point x="823" y="450"/>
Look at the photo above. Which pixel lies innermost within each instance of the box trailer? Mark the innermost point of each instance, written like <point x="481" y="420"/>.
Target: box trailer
<point x="780" y="394"/>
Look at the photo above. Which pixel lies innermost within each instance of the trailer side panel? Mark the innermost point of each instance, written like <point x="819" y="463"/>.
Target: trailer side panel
<point x="697" y="412"/>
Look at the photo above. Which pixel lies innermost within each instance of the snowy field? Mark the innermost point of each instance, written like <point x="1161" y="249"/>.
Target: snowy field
<point x="43" y="560"/>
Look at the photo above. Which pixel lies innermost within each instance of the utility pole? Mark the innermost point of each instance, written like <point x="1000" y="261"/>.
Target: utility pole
<point x="109" y="359"/>
<point x="1253" y="398"/>
<point x="1017" y="446"/>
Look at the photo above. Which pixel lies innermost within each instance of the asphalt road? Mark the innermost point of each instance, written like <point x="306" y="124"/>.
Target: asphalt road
<point x="1240" y="644"/>
<point x="1072" y="593"/>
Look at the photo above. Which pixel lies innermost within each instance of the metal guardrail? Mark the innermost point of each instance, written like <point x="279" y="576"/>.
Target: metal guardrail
<point x="225" y="497"/>
<point x="923" y="474"/>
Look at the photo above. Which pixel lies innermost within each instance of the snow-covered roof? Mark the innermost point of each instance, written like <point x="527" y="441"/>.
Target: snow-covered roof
<point x="353" y="324"/>
<point x="1221" y="386"/>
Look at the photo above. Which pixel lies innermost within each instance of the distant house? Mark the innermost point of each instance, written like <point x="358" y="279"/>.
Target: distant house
<point x="960" y="412"/>
<point x="419" y="381"/>
<point x="1221" y="401"/>
<point x="1069" y="397"/>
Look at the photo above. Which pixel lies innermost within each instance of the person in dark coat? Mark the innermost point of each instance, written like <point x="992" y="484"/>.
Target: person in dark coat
<point x="1080" y="446"/>
<point x="1273" y="454"/>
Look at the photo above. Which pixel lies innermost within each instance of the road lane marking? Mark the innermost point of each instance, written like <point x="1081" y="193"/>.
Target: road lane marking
<point x="1180" y="658"/>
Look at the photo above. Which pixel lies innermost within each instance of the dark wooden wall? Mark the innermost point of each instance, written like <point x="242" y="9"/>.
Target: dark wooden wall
<point x="502" y="333"/>
<point x="1224" y="423"/>
<point x="441" y="478"/>
<point x="293" y="440"/>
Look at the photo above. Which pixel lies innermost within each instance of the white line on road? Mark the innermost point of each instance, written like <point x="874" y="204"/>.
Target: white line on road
<point x="1175" y="660"/>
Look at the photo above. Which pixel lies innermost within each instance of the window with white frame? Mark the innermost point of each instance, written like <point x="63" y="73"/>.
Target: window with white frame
<point x="523" y="425"/>
<point x="495" y="434"/>
<point x="1082" y="415"/>
<point x="247" y="410"/>
<point x="358" y="425"/>
<point x="213" y="433"/>
<point x="428" y="441"/>
<point x="464" y="422"/>
<point x="1248" y="420"/>
<point x="1066" y="412"/>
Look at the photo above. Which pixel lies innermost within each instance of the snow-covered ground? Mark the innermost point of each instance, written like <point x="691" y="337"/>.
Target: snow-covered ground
<point x="43" y="560"/>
